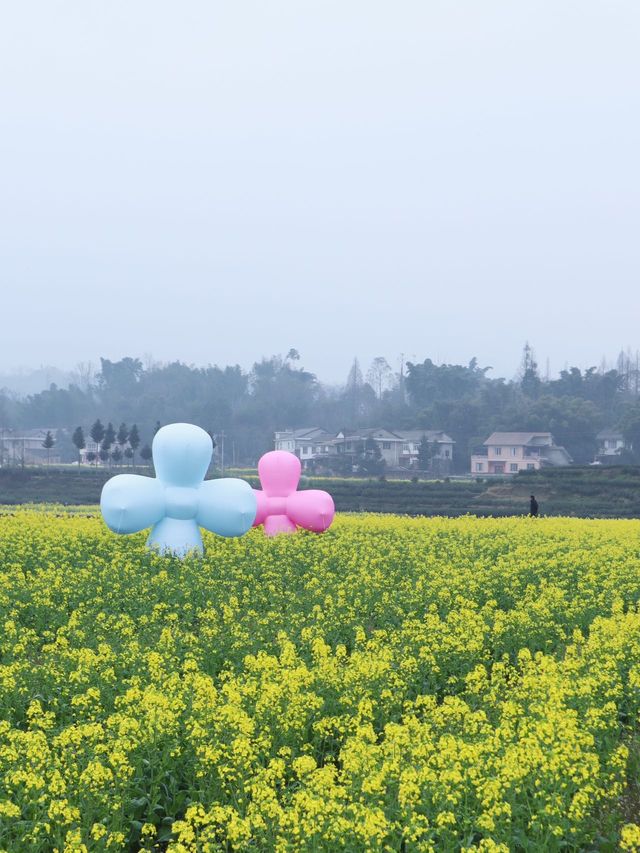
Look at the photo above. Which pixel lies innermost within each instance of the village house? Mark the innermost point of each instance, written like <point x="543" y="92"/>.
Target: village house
<point x="398" y="448"/>
<point x="89" y="453"/>
<point x="308" y="444"/>
<point x="24" y="447"/>
<point x="388" y="443"/>
<point x="510" y="452"/>
<point x="611" y="443"/>
<point x="441" y="443"/>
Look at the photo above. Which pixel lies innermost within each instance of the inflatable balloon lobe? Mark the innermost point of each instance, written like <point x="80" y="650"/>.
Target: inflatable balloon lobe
<point x="178" y="501"/>
<point x="281" y="508"/>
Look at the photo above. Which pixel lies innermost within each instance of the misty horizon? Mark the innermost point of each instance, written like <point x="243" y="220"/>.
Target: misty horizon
<point x="29" y="380"/>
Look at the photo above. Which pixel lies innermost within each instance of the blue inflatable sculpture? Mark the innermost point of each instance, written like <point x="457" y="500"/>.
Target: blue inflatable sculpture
<point x="178" y="501"/>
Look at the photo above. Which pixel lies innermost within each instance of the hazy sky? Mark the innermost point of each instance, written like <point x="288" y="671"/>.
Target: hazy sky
<point x="214" y="181"/>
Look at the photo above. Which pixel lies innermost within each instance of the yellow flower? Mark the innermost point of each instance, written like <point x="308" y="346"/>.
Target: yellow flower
<point x="630" y="837"/>
<point x="98" y="831"/>
<point x="304" y="765"/>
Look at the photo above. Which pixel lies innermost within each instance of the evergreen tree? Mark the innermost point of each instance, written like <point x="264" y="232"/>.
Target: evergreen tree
<point x="353" y="391"/>
<point x="134" y="443"/>
<point x="48" y="443"/>
<point x="109" y="437"/>
<point x="107" y="443"/>
<point x="122" y="436"/>
<point x="424" y="454"/>
<point x="630" y="425"/>
<point x="368" y="457"/>
<point x="530" y="382"/>
<point x="97" y="432"/>
<point x="146" y="453"/>
<point x="117" y="455"/>
<point x="78" y="439"/>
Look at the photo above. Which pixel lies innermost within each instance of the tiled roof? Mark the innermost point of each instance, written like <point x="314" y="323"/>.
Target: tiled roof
<point x="517" y="438"/>
<point x="431" y="434"/>
<point x="610" y="433"/>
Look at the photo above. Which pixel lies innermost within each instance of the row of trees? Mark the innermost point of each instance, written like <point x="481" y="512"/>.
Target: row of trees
<point x="111" y="446"/>
<point x="278" y="392"/>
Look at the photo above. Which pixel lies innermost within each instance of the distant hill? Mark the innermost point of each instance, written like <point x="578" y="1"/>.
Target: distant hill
<point x="25" y="381"/>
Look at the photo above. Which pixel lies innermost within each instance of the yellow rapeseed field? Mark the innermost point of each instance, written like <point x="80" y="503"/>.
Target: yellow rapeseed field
<point x="393" y="685"/>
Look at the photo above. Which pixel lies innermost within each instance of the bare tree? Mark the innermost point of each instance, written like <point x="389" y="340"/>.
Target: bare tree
<point x="83" y="375"/>
<point x="379" y="375"/>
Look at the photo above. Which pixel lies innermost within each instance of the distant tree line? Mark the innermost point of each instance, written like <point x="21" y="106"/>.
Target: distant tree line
<point x="247" y="407"/>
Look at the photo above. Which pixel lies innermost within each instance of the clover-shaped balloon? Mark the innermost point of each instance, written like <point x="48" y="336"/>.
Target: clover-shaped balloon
<point x="178" y="501"/>
<point x="282" y="509"/>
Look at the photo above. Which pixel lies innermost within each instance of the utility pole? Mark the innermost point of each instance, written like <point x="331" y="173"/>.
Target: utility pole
<point x="221" y="436"/>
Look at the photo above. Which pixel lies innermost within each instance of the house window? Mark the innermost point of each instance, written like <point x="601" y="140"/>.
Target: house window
<point x="479" y="466"/>
<point x="530" y="466"/>
<point x="307" y="449"/>
<point x="513" y="467"/>
<point x="447" y="454"/>
<point x="386" y="445"/>
<point x="498" y="451"/>
<point x="514" y="451"/>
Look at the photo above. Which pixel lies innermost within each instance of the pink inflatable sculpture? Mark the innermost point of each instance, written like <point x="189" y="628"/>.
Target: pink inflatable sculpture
<point x="281" y="508"/>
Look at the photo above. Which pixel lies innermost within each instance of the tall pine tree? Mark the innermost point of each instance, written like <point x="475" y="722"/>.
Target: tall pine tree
<point x="78" y="439"/>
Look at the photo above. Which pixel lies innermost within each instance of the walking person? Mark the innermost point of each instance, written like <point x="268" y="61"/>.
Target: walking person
<point x="533" y="507"/>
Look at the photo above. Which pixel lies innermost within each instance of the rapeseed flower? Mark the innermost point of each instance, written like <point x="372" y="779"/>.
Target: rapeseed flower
<point x="426" y="684"/>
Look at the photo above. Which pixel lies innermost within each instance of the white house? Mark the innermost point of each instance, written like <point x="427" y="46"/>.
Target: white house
<point x="442" y="455"/>
<point x="388" y="443"/>
<point x="309" y="444"/>
<point x="510" y="452"/>
<point x="611" y="442"/>
<point x="90" y="452"/>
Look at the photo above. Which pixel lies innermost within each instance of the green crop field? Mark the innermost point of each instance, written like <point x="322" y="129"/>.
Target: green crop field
<point x="583" y="492"/>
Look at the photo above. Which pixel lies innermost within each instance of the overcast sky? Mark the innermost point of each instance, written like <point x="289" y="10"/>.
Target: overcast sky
<point x="214" y="181"/>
